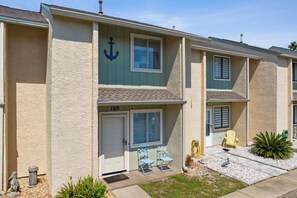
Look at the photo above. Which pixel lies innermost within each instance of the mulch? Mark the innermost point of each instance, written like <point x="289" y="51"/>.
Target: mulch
<point x="40" y="190"/>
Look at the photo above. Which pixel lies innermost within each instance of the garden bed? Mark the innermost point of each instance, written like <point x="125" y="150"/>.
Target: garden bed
<point x="234" y="170"/>
<point x="40" y="190"/>
<point x="287" y="164"/>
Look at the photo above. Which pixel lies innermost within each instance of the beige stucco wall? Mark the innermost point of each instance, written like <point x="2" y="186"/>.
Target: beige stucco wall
<point x="263" y="96"/>
<point x="239" y="75"/>
<point x="283" y="105"/>
<point x="290" y="97"/>
<point x="195" y="96"/>
<point x="173" y="64"/>
<point x="26" y="98"/>
<point x="70" y="101"/>
<point x="239" y="121"/>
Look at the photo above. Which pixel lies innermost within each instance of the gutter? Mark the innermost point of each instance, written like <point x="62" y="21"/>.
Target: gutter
<point x="228" y="100"/>
<point x="23" y="22"/>
<point x="121" y="103"/>
<point x="288" y="56"/>
<point x="120" y="22"/>
<point x="226" y="52"/>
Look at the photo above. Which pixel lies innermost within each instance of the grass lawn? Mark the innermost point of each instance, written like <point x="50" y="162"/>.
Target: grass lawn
<point x="211" y="185"/>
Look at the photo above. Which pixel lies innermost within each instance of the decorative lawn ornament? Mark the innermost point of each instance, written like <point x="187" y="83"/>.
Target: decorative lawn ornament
<point x="14" y="185"/>
<point x="195" y="149"/>
<point x="111" y="56"/>
<point x="226" y="162"/>
<point x="285" y="134"/>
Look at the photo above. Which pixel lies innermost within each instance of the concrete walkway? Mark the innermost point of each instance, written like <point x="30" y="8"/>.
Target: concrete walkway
<point x="282" y="186"/>
<point x="130" y="192"/>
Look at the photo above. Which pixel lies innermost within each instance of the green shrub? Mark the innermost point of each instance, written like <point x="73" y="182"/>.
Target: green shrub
<point x="272" y="146"/>
<point x="85" y="188"/>
<point x="65" y="190"/>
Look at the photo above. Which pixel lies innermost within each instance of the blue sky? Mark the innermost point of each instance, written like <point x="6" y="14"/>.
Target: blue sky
<point x="264" y="23"/>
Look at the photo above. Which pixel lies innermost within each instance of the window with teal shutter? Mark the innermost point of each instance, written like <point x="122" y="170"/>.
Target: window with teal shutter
<point x="221" y="68"/>
<point x="294" y="114"/>
<point x="221" y="117"/>
<point x="294" y="72"/>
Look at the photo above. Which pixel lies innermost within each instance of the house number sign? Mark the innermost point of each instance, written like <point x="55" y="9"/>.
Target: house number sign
<point x="114" y="108"/>
<point x="111" y="56"/>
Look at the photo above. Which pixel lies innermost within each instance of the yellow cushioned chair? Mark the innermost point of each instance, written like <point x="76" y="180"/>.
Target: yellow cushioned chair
<point x="230" y="139"/>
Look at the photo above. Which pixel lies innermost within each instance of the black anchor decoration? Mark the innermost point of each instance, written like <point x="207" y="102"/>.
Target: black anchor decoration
<point x="111" y="56"/>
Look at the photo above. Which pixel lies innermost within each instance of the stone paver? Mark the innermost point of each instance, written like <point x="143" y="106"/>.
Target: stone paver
<point x="271" y="188"/>
<point x="292" y="175"/>
<point x="130" y="192"/>
<point x="252" y="164"/>
<point x="292" y="194"/>
<point x="236" y="195"/>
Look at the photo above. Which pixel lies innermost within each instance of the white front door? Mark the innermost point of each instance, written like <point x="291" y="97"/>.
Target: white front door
<point x="113" y="143"/>
<point x="208" y="127"/>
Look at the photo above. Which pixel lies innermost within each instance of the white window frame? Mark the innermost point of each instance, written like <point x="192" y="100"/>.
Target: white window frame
<point x="213" y="67"/>
<point x="133" y="69"/>
<point x="132" y="112"/>
<point x="213" y="121"/>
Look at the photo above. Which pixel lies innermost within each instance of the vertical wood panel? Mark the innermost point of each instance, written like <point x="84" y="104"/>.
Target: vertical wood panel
<point x="117" y="72"/>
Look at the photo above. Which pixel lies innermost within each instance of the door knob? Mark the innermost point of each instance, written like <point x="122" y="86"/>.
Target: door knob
<point x="124" y="141"/>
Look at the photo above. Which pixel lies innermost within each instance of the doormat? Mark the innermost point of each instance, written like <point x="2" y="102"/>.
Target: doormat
<point x="115" y="178"/>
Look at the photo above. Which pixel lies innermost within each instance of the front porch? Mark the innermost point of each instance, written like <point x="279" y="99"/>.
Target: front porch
<point x="223" y="115"/>
<point x="136" y="178"/>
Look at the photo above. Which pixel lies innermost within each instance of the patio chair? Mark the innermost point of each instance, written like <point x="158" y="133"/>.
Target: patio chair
<point x="163" y="159"/>
<point x="230" y="139"/>
<point x="145" y="164"/>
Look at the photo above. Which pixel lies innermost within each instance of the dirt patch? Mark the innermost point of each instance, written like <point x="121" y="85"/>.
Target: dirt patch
<point x="197" y="170"/>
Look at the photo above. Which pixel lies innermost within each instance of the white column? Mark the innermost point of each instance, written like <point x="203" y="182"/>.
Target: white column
<point x="2" y="62"/>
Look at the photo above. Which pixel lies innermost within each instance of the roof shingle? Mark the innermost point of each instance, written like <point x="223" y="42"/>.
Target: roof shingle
<point x="137" y="96"/>
<point x="21" y="14"/>
<point x="223" y="96"/>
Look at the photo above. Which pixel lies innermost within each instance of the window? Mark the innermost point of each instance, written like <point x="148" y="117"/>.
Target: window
<point x="221" y="117"/>
<point x="146" y="127"/>
<point x="146" y="53"/>
<point x="294" y="71"/>
<point x="221" y="68"/>
<point x="294" y="114"/>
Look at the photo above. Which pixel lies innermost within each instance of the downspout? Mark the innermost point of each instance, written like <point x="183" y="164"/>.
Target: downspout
<point x="183" y="61"/>
<point x="2" y="124"/>
<point x="248" y="102"/>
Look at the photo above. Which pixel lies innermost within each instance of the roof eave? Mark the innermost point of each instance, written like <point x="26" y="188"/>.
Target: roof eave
<point x="125" y="23"/>
<point x="226" y="52"/>
<point x="125" y="103"/>
<point x="288" y="56"/>
<point x="227" y="100"/>
<point x="23" y="22"/>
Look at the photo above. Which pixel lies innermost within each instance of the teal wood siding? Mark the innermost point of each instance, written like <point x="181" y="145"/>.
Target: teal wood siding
<point x="118" y="71"/>
<point x="210" y="82"/>
<point x="294" y="85"/>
